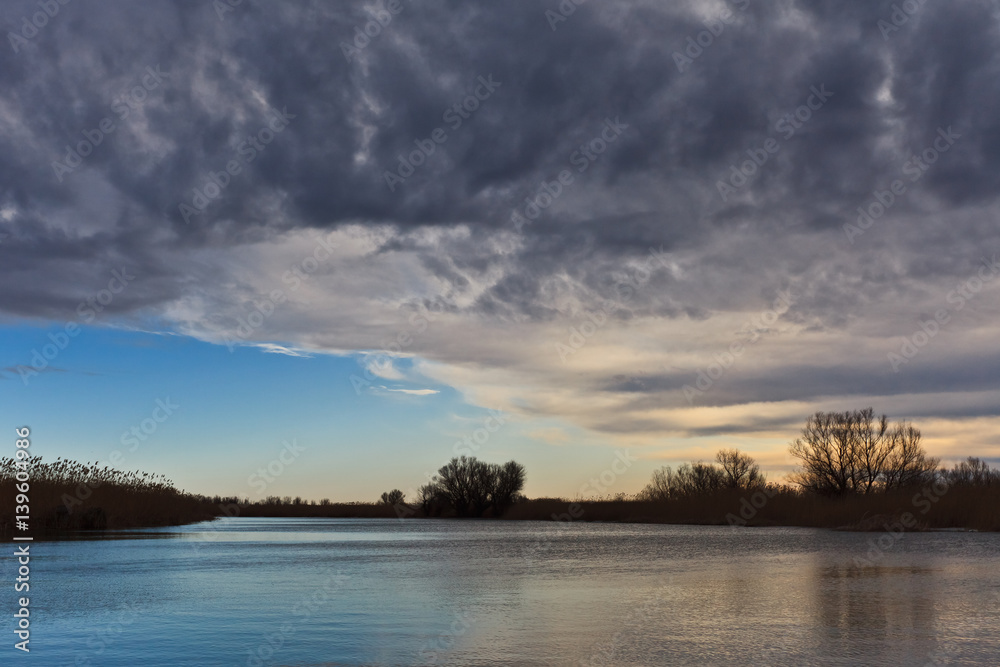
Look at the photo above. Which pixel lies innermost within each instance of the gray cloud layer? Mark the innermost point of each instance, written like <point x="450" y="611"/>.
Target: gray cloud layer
<point x="446" y="231"/>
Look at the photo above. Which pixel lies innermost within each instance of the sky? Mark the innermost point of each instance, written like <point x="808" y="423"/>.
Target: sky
<point x="344" y="242"/>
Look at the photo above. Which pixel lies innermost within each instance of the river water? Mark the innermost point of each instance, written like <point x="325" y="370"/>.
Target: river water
<point x="310" y="592"/>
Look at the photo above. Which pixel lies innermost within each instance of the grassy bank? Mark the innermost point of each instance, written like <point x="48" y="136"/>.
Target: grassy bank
<point x="929" y="508"/>
<point x="957" y="507"/>
<point x="68" y="496"/>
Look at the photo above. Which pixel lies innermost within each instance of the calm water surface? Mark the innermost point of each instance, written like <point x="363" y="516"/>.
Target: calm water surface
<point x="310" y="592"/>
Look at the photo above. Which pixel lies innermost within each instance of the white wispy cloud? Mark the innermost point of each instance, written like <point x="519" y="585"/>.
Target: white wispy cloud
<point x="415" y="392"/>
<point x="274" y="348"/>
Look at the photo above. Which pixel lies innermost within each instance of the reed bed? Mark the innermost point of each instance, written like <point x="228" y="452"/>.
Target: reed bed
<point x="958" y="507"/>
<point x="69" y="495"/>
<point x="356" y="510"/>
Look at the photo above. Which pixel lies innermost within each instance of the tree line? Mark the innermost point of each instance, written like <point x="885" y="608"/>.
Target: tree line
<point x="840" y="453"/>
<point x="732" y="470"/>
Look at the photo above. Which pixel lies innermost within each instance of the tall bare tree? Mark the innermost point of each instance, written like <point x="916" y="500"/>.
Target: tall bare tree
<point x="739" y="470"/>
<point x="454" y="480"/>
<point x="857" y="452"/>
<point x="431" y="500"/>
<point x="702" y="478"/>
<point x="874" y="446"/>
<point x="509" y="482"/>
<point x="663" y="485"/>
<point x="907" y="463"/>
<point x="827" y="452"/>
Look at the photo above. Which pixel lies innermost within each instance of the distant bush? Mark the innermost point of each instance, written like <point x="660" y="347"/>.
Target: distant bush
<point x="735" y="471"/>
<point x="392" y="497"/>
<point x="469" y="487"/>
<point x="972" y="472"/>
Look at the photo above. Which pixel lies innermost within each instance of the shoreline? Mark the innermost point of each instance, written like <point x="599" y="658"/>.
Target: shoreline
<point x="143" y="532"/>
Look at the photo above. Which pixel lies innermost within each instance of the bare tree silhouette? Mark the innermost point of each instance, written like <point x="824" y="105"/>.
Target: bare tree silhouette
<point x="739" y="470"/>
<point x="393" y="497"/>
<point x="470" y="487"/>
<point x="857" y="452"/>
<point x="736" y="470"/>
<point x="973" y="472"/>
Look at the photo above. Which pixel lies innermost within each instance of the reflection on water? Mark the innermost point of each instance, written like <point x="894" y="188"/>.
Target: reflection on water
<point x="91" y="535"/>
<point x="310" y="592"/>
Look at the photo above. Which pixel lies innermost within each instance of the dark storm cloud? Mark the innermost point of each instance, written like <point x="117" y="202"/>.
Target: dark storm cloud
<point x="552" y="93"/>
<point x="556" y="88"/>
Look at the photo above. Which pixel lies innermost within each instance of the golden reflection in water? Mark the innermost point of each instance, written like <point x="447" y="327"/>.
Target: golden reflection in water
<point x="870" y="605"/>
